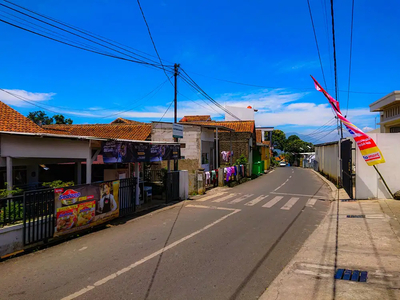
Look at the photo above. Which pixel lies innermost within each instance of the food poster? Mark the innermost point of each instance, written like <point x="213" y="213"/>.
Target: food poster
<point x="81" y="207"/>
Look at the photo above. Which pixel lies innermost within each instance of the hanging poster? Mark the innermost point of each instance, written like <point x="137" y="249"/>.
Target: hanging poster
<point x="81" y="207"/>
<point x="125" y="152"/>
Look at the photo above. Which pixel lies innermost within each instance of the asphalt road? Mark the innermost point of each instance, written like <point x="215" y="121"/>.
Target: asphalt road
<point x="226" y="245"/>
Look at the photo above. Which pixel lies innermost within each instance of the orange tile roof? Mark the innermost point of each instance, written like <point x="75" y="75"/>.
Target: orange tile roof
<point x="238" y="126"/>
<point x="196" y="118"/>
<point x="13" y="121"/>
<point x="126" y="121"/>
<point x="109" y="131"/>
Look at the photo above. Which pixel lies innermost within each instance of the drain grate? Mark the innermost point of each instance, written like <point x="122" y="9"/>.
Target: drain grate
<point x="356" y="216"/>
<point x="350" y="275"/>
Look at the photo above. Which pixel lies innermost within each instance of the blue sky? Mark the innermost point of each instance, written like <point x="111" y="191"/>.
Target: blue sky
<point x="266" y="43"/>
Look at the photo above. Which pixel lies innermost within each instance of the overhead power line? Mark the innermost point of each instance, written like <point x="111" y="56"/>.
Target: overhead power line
<point x="351" y="50"/>
<point x="316" y="43"/>
<point x="191" y="82"/>
<point x="152" y="41"/>
<point x="88" y="33"/>
<point x="334" y="51"/>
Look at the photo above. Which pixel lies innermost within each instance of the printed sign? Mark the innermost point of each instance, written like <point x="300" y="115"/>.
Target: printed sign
<point x="177" y="130"/>
<point x="125" y="152"/>
<point x="81" y="207"/>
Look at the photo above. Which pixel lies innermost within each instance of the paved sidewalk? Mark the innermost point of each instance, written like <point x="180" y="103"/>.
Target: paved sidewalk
<point x="367" y="244"/>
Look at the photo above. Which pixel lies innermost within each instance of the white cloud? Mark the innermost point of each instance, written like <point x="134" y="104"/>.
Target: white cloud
<point x="367" y="129"/>
<point x="21" y="95"/>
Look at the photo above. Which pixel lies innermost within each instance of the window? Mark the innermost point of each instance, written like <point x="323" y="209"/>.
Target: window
<point x="204" y="158"/>
<point x="394" y="129"/>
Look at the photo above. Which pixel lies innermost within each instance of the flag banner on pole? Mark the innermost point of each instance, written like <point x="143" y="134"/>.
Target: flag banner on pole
<point x="370" y="152"/>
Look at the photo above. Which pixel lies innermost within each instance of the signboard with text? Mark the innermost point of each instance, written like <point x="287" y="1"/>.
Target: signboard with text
<point x="126" y="152"/>
<point x="81" y="207"/>
<point x="177" y="130"/>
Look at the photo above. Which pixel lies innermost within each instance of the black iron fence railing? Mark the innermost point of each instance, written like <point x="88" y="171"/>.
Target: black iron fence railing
<point x="11" y="210"/>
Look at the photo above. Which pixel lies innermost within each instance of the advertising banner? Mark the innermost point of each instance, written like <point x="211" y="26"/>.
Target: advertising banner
<point x="126" y="152"/>
<point x="81" y="207"/>
<point x="370" y="152"/>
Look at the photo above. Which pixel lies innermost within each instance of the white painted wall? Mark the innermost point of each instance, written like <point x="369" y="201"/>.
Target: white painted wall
<point x="243" y="113"/>
<point x="26" y="146"/>
<point x="368" y="183"/>
<point x="183" y="185"/>
<point x="207" y="135"/>
<point x="327" y="158"/>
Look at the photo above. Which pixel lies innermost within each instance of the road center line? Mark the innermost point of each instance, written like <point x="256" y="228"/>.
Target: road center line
<point x="145" y="259"/>
<point x="281" y="185"/>
<point x="212" y="207"/>
<point x="300" y="195"/>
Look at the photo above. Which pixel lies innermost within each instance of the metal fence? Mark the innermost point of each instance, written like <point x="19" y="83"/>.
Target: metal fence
<point x="172" y="186"/>
<point x="38" y="216"/>
<point x="127" y="196"/>
<point x="11" y="210"/>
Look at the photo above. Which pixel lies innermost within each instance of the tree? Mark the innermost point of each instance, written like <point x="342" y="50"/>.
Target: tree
<point x="60" y="119"/>
<point x="41" y="118"/>
<point x="293" y="138"/>
<point x="278" y="139"/>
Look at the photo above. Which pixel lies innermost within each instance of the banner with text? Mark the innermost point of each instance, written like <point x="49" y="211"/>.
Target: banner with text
<point x="81" y="207"/>
<point x="126" y="152"/>
<point x="370" y="152"/>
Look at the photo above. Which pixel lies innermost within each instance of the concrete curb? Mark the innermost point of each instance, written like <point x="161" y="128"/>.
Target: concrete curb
<point x="330" y="184"/>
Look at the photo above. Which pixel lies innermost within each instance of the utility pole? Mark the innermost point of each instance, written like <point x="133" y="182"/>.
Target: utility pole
<point x="176" y="67"/>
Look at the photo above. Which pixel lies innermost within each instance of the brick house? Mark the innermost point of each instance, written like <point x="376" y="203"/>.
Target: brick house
<point x="243" y="138"/>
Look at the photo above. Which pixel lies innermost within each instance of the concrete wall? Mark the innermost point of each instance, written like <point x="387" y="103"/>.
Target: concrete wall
<point x="11" y="239"/>
<point x="191" y="138"/>
<point x="368" y="183"/>
<point x="25" y="146"/>
<point x="327" y="160"/>
<point x="191" y="165"/>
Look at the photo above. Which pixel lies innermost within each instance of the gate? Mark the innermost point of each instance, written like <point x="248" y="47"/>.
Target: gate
<point x="347" y="167"/>
<point x="172" y="188"/>
<point x="127" y="196"/>
<point x="38" y="216"/>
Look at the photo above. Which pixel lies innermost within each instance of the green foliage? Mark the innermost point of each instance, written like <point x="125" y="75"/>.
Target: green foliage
<point x="293" y="138"/>
<point x="41" y="118"/>
<point x="58" y="184"/>
<point x="60" y="119"/>
<point x="7" y="193"/>
<point x="242" y="160"/>
<point x="278" y="139"/>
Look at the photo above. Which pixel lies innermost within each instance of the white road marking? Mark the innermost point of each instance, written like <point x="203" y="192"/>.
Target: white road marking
<point x="272" y="202"/>
<point x="145" y="259"/>
<point x="271" y="171"/>
<point x="211" y="196"/>
<point x="83" y="248"/>
<point x="307" y="272"/>
<point x="290" y="203"/>
<point x="311" y="202"/>
<point x="225" y="198"/>
<point x="240" y="199"/>
<point x="281" y="185"/>
<point x="300" y="195"/>
<point x="290" y="176"/>
<point x="256" y="200"/>
<point x="211" y="207"/>
<point x="293" y="172"/>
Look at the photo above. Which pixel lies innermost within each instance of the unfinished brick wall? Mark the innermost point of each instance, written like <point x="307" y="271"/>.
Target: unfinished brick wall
<point x="191" y="165"/>
<point x="240" y="144"/>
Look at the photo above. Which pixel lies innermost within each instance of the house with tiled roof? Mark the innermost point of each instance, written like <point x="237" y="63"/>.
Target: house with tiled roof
<point x="240" y="141"/>
<point x="125" y="131"/>
<point x="25" y="146"/>
<point x="263" y="143"/>
<point x="125" y="121"/>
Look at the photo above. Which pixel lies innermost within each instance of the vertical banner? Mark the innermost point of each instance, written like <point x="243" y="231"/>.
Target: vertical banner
<point x="81" y="207"/>
<point x="370" y="152"/>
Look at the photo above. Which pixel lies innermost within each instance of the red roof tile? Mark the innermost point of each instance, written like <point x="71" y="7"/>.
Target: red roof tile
<point x="196" y="118"/>
<point x="125" y="121"/>
<point x="109" y="131"/>
<point x="238" y="126"/>
<point x="13" y="121"/>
